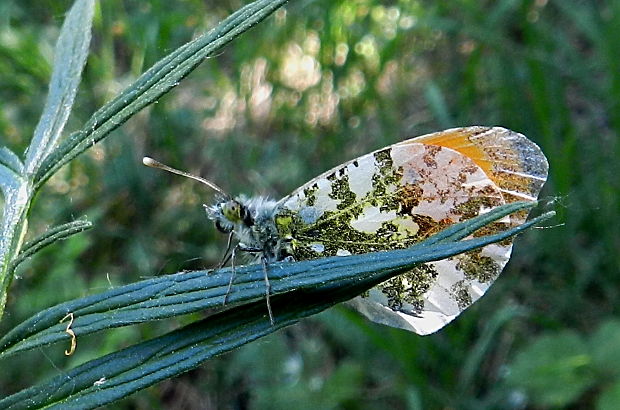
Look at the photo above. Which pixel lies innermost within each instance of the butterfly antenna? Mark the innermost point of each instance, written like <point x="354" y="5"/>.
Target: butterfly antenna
<point x="150" y="162"/>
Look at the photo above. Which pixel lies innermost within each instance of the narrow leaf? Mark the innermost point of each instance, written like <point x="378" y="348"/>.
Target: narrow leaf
<point x="9" y="159"/>
<point x="9" y="181"/>
<point x="188" y="292"/>
<point x="69" y="59"/>
<point x="55" y="234"/>
<point x="12" y="226"/>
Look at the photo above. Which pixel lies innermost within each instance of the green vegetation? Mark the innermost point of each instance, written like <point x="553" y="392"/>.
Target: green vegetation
<point x="318" y="83"/>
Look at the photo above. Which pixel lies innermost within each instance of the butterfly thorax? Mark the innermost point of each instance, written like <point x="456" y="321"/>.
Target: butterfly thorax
<point x="251" y="222"/>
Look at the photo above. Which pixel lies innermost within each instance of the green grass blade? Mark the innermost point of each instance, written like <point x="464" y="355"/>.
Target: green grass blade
<point x="70" y="58"/>
<point x="460" y="231"/>
<point x="188" y="292"/>
<point x="55" y="234"/>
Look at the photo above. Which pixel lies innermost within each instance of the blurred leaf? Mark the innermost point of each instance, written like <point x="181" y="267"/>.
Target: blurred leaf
<point x="609" y="398"/>
<point x="342" y="386"/>
<point x="485" y="343"/>
<point x="583" y="17"/>
<point x="437" y="103"/>
<point x="605" y="348"/>
<point x="554" y="370"/>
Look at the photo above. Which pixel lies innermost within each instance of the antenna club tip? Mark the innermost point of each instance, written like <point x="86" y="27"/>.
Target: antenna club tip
<point x="148" y="161"/>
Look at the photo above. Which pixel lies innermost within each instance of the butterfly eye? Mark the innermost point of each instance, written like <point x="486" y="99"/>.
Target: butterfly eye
<point x="233" y="211"/>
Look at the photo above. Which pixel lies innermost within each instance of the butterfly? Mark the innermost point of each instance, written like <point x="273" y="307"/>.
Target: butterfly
<point x="393" y="198"/>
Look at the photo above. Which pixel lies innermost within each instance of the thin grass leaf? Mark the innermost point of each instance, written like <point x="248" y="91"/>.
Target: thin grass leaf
<point x="459" y="231"/>
<point x="71" y="52"/>
<point x="55" y="234"/>
<point x="12" y="227"/>
<point x="122" y="373"/>
<point x="9" y="181"/>
<point x="69" y="60"/>
<point x="188" y="292"/>
<point x="157" y="81"/>
<point x="10" y="160"/>
<point x="303" y="289"/>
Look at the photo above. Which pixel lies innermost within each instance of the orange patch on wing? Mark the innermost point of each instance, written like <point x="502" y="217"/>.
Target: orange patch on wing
<point x="509" y="159"/>
<point x="459" y="140"/>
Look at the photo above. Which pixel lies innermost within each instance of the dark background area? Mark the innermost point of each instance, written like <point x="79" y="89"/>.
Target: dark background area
<point x="319" y="83"/>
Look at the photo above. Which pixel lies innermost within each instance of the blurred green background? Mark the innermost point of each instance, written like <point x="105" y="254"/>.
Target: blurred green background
<point x="320" y="82"/>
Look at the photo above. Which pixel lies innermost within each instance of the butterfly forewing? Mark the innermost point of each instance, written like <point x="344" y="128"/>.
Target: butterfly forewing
<point x="404" y="193"/>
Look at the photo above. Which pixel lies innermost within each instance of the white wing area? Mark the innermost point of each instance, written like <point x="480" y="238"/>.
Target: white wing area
<point x="440" y="307"/>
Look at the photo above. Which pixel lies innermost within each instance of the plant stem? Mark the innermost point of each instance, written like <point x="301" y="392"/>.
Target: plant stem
<point x="14" y="224"/>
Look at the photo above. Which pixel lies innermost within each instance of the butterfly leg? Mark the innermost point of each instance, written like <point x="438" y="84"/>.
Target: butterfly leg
<point x="227" y="254"/>
<point x="263" y="260"/>
<point x="267" y="289"/>
<point x="232" y="272"/>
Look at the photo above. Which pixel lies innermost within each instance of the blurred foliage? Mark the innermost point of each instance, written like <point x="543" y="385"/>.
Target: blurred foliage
<point x="320" y="83"/>
<point x="555" y="369"/>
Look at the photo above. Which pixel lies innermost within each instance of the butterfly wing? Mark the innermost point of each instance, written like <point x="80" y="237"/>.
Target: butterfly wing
<point x="404" y="193"/>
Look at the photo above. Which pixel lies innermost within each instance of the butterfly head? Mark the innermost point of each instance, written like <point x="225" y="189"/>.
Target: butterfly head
<point x="228" y="214"/>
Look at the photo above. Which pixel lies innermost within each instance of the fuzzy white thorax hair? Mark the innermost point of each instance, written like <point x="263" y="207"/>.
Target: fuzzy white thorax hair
<point x="261" y="234"/>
